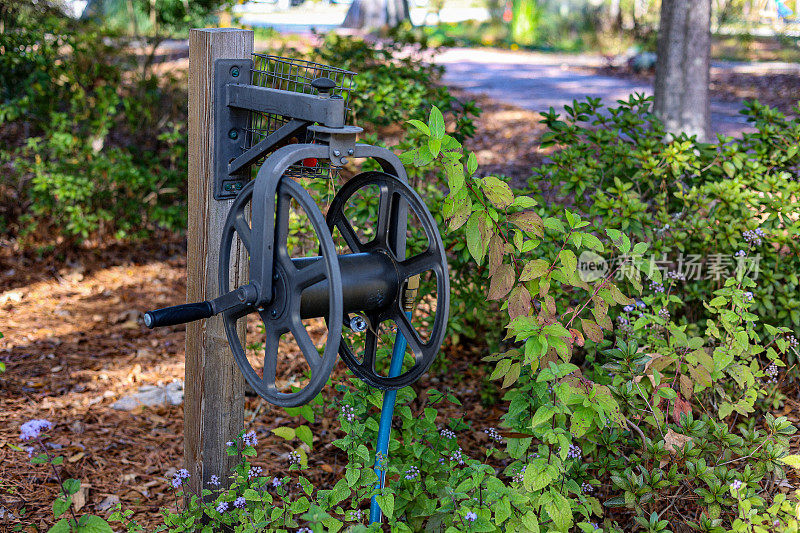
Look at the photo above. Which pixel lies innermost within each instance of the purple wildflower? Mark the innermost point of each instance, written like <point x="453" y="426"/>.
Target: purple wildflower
<point x="240" y="502"/>
<point x="412" y="473"/>
<point x="736" y="485"/>
<point x="214" y="480"/>
<point x="574" y="452"/>
<point x="753" y="237"/>
<point x="33" y="428"/>
<point x="347" y="412"/>
<point x="586" y="488"/>
<point x="494" y="435"/>
<point x="276" y="482"/>
<point x="222" y="507"/>
<point x="519" y="477"/>
<point x="255" y="471"/>
<point x="457" y="456"/>
<point x="470" y="516"/>
<point x="250" y="439"/>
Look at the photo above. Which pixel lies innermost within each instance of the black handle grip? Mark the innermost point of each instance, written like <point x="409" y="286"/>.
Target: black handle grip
<point x="179" y="314"/>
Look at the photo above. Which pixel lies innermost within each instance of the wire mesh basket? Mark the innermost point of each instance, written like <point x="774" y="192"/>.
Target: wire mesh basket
<point x="294" y="75"/>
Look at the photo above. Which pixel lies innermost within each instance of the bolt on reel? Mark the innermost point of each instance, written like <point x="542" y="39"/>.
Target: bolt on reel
<point x="360" y="291"/>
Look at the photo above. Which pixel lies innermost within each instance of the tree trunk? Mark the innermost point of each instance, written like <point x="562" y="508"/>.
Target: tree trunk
<point x="682" y="70"/>
<point x="371" y="14"/>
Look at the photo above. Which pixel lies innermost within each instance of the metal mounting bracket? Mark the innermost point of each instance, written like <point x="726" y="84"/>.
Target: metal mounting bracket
<point x="341" y="141"/>
<point x="234" y="98"/>
<point x="230" y="127"/>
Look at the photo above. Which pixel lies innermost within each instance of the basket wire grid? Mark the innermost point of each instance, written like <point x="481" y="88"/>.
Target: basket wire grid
<point x="293" y="75"/>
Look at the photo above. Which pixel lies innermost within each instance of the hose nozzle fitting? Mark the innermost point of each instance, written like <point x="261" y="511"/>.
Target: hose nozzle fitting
<point x="410" y="293"/>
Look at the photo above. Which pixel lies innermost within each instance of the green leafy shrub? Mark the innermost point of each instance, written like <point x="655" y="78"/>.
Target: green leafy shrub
<point x="701" y="206"/>
<point x="93" y="147"/>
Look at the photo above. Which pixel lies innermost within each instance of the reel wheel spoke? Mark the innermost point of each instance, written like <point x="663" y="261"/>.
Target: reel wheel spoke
<point x="349" y="235"/>
<point x="311" y="274"/>
<point x="427" y="260"/>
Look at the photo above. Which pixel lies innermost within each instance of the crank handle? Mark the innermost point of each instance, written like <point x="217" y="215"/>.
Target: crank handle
<point x="181" y="314"/>
<point x="178" y="314"/>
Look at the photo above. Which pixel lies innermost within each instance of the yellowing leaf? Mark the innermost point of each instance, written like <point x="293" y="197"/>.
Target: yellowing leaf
<point x="592" y="330"/>
<point x="528" y="221"/>
<point x="502" y="282"/>
<point x="497" y="191"/>
<point x="519" y="303"/>
<point x="534" y="269"/>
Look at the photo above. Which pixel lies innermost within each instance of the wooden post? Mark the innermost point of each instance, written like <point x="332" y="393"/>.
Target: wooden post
<point x="214" y="391"/>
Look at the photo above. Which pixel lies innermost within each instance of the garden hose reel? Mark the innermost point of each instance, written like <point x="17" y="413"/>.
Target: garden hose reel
<point x="373" y="284"/>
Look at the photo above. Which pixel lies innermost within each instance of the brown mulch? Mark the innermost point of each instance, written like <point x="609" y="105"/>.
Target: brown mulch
<point x="74" y="343"/>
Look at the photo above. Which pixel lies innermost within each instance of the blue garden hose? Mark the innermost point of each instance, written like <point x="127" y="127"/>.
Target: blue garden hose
<point x="385" y="425"/>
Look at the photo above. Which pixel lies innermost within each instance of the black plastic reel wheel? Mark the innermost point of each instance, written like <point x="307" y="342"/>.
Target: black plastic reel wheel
<point x="392" y="192"/>
<point x="282" y="314"/>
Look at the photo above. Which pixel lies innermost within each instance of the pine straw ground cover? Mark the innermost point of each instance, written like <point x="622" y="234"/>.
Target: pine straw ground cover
<point x="74" y="345"/>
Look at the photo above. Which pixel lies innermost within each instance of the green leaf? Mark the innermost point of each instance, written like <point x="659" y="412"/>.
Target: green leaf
<point x="71" y="486"/>
<point x="668" y="393"/>
<point x="305" y="435"/>
<point x="421" y="126"/>
<point x="472" y="163"/>
<point x="497" y="191"/>
<point x="436" y="123"/>
<point x="434" y="145"/>
<point x="386" y="501"/>
<point x="538" y="474"/>
<point x="543" y="414"/>
<point x="462" y="208"/>
<point x="285" y="432"/>
<point x="60" y="506"/>
<point x="62" y="526"/>
<point x="792" y="460"/>
<point x="474" y="238"/>
<point x="560" y="510"/>
<point x="531" y="522"/>
<point x="93" y="524"/>
<point x="340" y="491"/>
<point x="569" y="260"/>
<point x="729" y="169"/>
<point x="554" y="224"/>
<point x="593" y="243"/>
<point x="455" y="175"/>
<point x="582" y="419"/>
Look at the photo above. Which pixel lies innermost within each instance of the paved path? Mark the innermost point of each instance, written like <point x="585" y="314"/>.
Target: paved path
<point x="538" y="81"/>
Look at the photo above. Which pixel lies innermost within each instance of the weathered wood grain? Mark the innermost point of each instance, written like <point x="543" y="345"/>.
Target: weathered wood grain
<point x="214" y="393"/>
